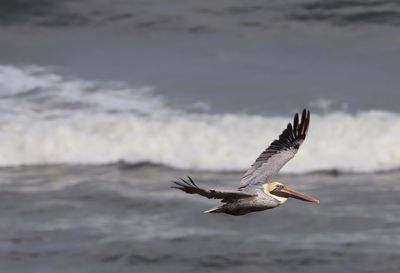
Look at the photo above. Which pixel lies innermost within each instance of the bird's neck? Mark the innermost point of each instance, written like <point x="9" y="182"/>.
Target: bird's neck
<point x="280" y="199"/>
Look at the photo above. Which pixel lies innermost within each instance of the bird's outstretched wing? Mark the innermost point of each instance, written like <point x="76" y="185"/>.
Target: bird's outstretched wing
<point x="277" y="154"/>
<point x="191" y="188"/>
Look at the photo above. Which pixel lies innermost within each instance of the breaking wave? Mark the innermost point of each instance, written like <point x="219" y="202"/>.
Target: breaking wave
<point x="47" y="118"/>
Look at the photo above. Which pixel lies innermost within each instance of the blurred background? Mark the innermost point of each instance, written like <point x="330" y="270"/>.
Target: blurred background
<point x="103" y="103"/>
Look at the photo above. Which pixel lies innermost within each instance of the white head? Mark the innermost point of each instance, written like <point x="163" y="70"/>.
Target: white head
<point x="282" y="192"/>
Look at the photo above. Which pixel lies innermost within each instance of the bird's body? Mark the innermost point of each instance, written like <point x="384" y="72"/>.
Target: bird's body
<point x="246" y="205"/>
<point x="257" y="191"/>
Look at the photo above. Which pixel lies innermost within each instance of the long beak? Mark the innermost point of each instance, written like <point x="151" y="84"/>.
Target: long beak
<point x="298" y="195"/>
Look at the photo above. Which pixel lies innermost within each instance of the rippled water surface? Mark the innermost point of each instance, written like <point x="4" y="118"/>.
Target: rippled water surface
<point x="127" y="219"/>
<point x="196" y="85"/>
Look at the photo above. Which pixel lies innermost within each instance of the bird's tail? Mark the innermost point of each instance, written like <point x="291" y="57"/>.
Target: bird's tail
<point x="214" y="210"/>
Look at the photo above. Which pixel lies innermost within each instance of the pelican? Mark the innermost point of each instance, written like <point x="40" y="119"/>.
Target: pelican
<point x="258" y="191"/>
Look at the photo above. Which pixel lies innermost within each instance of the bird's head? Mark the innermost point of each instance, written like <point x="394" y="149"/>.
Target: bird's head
<point x="282" y="192"/>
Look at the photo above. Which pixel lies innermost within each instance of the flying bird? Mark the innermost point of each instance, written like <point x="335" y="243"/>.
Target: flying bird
<point x="258" y="191"/>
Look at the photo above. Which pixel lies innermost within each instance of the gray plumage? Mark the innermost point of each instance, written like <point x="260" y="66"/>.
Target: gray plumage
<point x="257" y="191"/>
<point x="281" y="150"/>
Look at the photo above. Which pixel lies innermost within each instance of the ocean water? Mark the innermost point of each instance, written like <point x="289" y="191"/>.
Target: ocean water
<point x="121" y="218"/>
<point x="46" y="121"/>
<point x="102" y="106"/>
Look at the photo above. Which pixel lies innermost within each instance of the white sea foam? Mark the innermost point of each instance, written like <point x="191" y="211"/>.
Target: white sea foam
<point x="38" y="92"/>
<point x="142" y="127"/>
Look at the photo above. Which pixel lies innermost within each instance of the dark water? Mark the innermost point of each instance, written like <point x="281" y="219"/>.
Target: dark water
<point x="268" y="57"/>
<point x="127" y="219"/>
<point x="264" y="58"/>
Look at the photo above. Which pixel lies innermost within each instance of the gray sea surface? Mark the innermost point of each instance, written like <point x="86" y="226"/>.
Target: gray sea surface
<point x="121" y="218"/>
<point x="267" y="57"/>
<point x="71" y="80"/>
